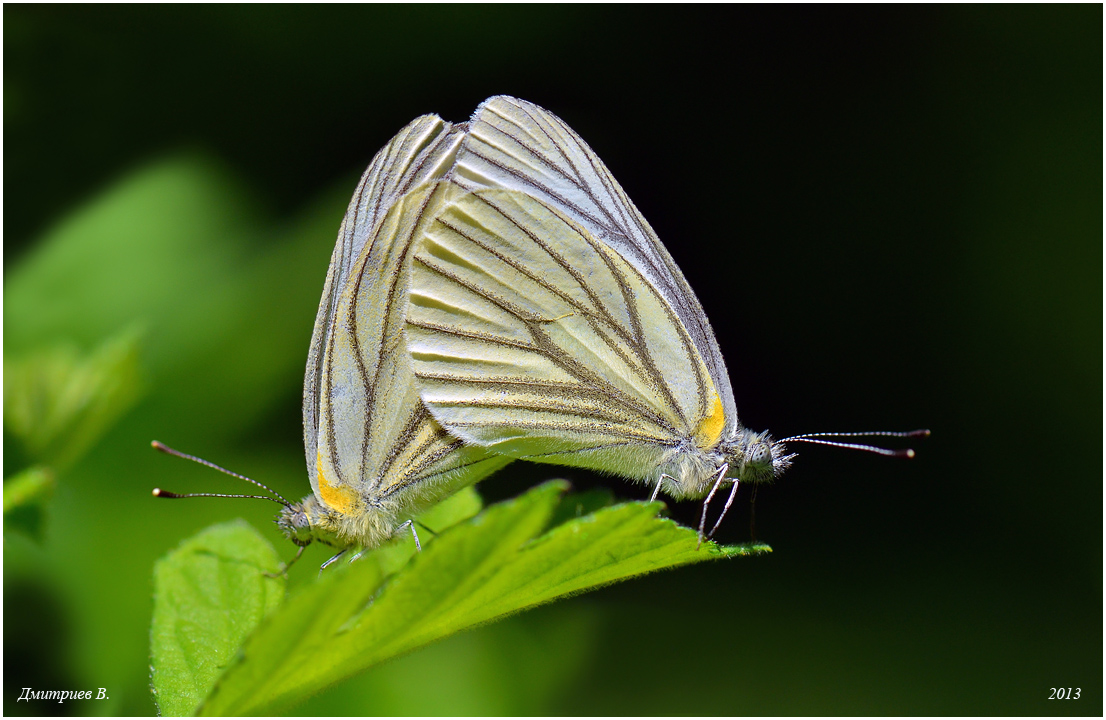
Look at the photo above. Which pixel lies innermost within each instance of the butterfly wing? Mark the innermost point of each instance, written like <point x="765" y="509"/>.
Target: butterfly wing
<point x="516" y="145"/>
<point x="377" y="443"/>
<point x="532" y="338"/>
<point x="367" y="436"/>
<point x="425" y="149"/>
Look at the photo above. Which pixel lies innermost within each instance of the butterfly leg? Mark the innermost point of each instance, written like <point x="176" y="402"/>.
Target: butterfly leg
<point x="753" y="515"/>
<point x="726" y="509"/>
<point x="706" y="503"/>
<point x="331" y="561"/>
<point x="283" y="572"/>
<point x="414" y="533"/>
<point x="657" y="489"/>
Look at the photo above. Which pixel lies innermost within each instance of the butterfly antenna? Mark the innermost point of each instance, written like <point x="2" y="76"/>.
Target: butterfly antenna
<point x="158" y="492"/>
<point x="820" y="439"/>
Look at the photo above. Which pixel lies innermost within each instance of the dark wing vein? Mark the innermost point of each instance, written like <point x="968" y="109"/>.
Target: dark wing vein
<point x="619" y="430"/>
<point x="395" y="271"/>
<point x="621" y="219"/>
<point x="414" y="419"/>
<point x="542" y="344"/>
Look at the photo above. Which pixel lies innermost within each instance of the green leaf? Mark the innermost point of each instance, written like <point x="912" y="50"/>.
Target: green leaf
<point x="577" y="505"/>
<point x="209" y="594"/>
<point x="460" y="506"/>
<point x="502" y="561"/>
<point x="25" y="497"/>
<point x="59" y="402"/>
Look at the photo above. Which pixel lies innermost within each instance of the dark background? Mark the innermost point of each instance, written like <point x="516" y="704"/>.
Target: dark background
<point x="892" y="217"/>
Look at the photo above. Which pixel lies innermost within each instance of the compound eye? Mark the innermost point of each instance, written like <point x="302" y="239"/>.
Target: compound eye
<point x="760" y="455"/>
<point x="300" y="521"/>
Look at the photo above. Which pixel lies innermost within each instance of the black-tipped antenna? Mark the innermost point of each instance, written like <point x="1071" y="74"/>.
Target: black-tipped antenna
<point x="158" y="492"/>
<point x="815" y="438"/>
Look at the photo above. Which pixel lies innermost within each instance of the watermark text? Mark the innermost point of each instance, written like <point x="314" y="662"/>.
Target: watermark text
<point x="62" y="695"/>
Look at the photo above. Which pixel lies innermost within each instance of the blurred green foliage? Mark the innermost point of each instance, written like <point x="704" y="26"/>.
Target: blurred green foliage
<point x="176" y="250"/>
<point x="25" y="498"/>
<point x="58" y="404"/>
<point x="907" y="201"/>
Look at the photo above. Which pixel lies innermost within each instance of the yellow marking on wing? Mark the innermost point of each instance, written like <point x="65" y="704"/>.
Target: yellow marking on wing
<point x="337" y="498"/>
<point x="710" y="429"/>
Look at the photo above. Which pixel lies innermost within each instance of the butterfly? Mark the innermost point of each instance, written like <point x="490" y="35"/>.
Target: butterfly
<point x="547" y="321"/>
<point x="375" y="455"/>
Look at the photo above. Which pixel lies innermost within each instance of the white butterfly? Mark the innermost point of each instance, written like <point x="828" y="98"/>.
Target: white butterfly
<point x="375" y="456"/>
<point x="548" y="322"/>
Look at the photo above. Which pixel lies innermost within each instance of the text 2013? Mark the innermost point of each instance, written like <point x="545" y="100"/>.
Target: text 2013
<point x="1064" y="694"/>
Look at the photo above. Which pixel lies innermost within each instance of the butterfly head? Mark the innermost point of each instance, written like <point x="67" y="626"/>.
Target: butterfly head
<point x="755" y="456"/>
<point x="295" y="524"/>
<point x="306" y="521"/>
